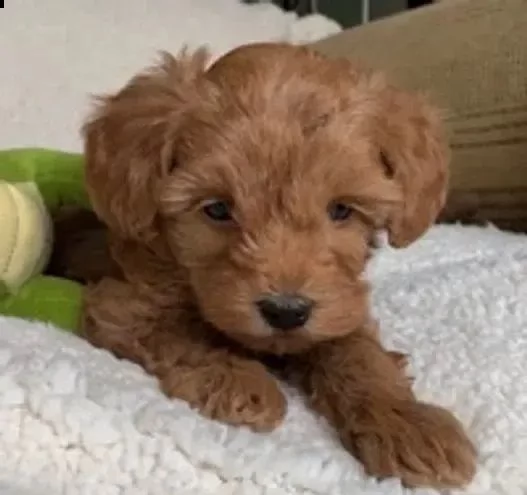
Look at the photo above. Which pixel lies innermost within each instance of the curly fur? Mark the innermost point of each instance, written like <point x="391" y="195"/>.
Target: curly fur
<point x="279" y="133"/>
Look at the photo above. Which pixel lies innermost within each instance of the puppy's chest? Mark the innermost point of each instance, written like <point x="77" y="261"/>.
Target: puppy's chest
<point x="278" y="365"/>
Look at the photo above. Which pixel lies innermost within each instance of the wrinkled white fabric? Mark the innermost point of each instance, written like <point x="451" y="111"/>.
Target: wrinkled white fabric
<point x="75" y="420"/>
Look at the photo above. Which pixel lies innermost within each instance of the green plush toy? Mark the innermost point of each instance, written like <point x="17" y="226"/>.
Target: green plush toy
<point x="33" y="184"/>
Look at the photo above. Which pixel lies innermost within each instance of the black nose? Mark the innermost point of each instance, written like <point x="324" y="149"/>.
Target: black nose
<point x="285" y="311"/>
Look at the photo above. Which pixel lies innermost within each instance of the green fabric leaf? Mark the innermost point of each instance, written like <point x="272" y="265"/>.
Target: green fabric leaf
<point x="58" y="175"/>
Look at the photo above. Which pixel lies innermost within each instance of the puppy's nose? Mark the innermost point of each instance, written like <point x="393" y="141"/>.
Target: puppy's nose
<point x="285" y="311"/>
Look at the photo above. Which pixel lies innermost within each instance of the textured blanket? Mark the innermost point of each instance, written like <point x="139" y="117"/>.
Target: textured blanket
<point x="75" y="420"/>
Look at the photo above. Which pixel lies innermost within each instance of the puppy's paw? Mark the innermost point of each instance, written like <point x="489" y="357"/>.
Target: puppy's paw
<point x="241" y="394"/>
<point x="400" y="359"/>
<point x="422" y="444"/>
<point x="248" y="396"/>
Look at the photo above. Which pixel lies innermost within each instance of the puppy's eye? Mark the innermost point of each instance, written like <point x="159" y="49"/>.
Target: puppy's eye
<point x="219" y="211"/>
<point x="338" y="212"/>
<point x="387" y="165"/>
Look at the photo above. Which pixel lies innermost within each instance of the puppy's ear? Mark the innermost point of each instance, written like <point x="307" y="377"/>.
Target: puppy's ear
<point x="129" y="143"/>
<point x="414" y="154"/>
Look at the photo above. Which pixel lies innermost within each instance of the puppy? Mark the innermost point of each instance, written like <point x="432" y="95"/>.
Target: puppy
<point x="241" y="199"/>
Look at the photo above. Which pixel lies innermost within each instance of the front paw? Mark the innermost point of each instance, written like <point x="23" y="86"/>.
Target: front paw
<point x="423" y="445"/>
<point x="240" y="394"/>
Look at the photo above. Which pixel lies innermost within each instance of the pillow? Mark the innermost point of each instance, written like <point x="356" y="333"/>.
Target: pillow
<point x="471" y="57"/>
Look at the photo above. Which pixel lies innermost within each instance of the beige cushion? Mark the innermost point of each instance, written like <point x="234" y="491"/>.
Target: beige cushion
<point x="471" y="56"/>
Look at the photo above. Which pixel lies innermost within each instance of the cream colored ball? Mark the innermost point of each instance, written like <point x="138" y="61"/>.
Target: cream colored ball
<point x="25" y="234"/>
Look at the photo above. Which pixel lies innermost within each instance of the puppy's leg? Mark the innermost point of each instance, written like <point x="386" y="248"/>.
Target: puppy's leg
<point x="362" y="390"/>
<point x="135" y="325"/>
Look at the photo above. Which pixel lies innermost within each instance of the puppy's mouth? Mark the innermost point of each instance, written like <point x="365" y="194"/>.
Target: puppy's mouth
<point x="275" y="342"/>
<point x="271" y="322"/>
<point x="281" y="324"/>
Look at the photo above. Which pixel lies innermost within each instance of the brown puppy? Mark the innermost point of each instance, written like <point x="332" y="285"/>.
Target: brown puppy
<point x="242" y="200"/>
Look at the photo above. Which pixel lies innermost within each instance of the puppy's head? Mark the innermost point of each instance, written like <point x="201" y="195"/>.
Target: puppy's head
<point x="267" y="176"/>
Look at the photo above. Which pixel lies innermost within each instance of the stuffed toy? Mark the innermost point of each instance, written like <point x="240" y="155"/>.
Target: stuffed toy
<point x="34" y="183"/>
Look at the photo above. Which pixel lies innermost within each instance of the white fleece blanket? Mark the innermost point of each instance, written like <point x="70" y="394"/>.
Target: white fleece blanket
<point x="74" y="420"/>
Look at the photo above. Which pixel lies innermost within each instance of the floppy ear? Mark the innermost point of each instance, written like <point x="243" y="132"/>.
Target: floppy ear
<point x="414" y="153"/>
<point x="129" y="143"/>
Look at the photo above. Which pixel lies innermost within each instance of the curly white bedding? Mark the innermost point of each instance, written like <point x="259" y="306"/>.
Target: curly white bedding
<point x="75" y="420"/>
